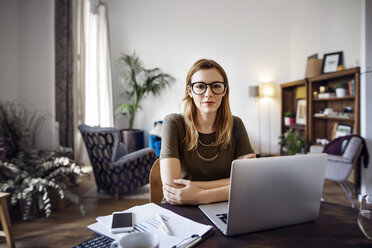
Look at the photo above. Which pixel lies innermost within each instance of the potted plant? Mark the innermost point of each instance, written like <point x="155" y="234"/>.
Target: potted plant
<point x="340" y="89"/>
<point x="138" y="83"/>
<point x="292" y="143"/>
<point x="32" y="176"/>
<point x="289" y="117"/>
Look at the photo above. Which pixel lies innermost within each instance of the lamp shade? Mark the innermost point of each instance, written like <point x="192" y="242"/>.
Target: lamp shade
<point x="267" y="90"/>
<point x="253" y="91"/>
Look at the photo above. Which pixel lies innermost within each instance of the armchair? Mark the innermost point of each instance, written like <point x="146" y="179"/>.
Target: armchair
<point x="115" y="171"/>
<point x="339" y="167"/>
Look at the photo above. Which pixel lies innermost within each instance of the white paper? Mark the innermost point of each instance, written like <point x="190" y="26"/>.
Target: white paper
<point x="145" y="221"/>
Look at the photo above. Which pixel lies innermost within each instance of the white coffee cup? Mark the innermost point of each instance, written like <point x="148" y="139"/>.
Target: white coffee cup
<point x="136" y="240"/>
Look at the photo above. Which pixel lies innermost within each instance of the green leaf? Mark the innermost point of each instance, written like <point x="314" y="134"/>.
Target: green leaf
<point x="138" y="83"/>
<point x="28" y="174"/>
<point x="292" y="142"/>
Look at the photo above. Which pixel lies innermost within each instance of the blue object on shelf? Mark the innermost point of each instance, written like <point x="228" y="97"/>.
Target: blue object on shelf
<point x="155" y="141"/>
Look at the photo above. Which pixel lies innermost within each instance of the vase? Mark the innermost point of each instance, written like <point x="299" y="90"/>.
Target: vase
<point x="340" y="92"/>
<point x="287" y="121"/>
<point x="34" y="210"/>
<point x="133" y="139"/>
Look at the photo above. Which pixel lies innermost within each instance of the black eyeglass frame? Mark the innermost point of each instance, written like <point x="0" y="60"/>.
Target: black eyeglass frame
<point x="210" y="86"/>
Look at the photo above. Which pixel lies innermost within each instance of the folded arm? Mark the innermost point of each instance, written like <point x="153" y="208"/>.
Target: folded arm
<point x="180" y="191"/>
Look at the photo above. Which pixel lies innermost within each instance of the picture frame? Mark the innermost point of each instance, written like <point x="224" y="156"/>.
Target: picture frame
<point x="331" y="61"/>
<point x="343" y="130"/>
<point x="301" y="111"/>
<point x="313" y="56"/>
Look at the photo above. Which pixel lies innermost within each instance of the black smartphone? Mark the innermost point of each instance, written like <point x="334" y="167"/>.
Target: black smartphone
<point x="122" y="222"/>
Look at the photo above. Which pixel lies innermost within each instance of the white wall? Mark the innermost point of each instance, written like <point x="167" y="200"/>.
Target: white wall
<point x="254" y="41"/>
<point x="8" y="50"/>
<point x="322" y="27"/>
<point x="27" y="67"/>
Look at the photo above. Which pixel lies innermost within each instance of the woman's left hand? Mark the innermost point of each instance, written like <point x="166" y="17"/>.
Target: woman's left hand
<point x="189" y="194"/>
<point x="250" y="155"/>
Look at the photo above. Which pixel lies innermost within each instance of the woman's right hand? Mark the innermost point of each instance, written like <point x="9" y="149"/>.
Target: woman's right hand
<point x="189" y="193"/>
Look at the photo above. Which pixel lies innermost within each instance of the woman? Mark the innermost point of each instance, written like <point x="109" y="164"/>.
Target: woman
<point x="199" y="146"/>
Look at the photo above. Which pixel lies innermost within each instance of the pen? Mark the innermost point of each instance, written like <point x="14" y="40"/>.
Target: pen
<point x="193" y="242"/>
<point x="163" y="225"/>
<point x="196" y="240"/>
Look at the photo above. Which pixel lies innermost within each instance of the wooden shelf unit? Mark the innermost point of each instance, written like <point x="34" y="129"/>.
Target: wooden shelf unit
<point x="322" y="126"/>
<point x="289" y="97"/>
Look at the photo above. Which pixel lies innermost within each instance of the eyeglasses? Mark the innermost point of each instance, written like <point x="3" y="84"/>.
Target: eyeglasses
<point x="200" y="88"/>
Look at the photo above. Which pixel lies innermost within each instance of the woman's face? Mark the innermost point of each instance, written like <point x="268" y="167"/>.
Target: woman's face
<point x="208" y="102"/>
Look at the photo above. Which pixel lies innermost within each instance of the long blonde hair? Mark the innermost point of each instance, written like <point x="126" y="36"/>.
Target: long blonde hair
<point x="224" y="120"/>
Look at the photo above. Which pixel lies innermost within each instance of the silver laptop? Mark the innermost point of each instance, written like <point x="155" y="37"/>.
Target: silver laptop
<point x="270" y="192"/>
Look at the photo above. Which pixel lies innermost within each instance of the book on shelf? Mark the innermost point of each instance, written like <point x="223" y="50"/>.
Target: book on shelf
<point x="351" y="85"/>
<point x="346" y="116"/>
<point x="326" y="95"/>
<point x="296" y="125"/>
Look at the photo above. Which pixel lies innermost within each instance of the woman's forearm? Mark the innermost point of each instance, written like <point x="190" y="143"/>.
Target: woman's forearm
<point x="170" y="169"/>
<point x="213" y="184"/>
<point x="214" y="195"/>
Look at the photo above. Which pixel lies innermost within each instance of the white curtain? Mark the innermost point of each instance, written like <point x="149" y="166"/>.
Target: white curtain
<point x="92" y="70"/>
<point x="98" y="85"/>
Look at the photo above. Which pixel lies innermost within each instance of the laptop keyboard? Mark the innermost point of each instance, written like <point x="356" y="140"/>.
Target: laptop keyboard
<point x="222" y="217"/>
<point x="100" y="242"/>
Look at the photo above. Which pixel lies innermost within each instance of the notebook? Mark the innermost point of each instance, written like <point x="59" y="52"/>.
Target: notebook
<point x="270" y="192"/>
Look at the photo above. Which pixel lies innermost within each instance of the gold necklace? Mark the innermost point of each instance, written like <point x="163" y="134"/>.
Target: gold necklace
<point x="203" y="158"/>
<point x="201" y="143"/>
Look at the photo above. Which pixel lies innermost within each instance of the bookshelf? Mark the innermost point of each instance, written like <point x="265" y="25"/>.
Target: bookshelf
<point x="290" y="93"/>
<point x="324" y="126"/>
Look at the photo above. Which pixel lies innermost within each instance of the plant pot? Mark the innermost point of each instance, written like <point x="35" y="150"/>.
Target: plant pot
<point x="340" y="92"/>
<point x="34" y="210"/>
<point x="133" y="139"/>
<point x="57" y="202"/>
<point x="287" y="121"/>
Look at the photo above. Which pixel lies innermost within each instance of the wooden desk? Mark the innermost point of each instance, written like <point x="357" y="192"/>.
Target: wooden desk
<point x="337" y="226"/>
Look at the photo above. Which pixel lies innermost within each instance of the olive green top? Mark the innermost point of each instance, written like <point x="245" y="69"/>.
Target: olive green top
<point x="193" y="166"/>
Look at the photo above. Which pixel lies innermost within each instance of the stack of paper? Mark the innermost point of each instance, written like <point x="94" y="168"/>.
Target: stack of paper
<point x="183" y="231"/>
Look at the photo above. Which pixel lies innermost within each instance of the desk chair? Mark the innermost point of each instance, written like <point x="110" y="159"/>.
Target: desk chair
<point x="5" y="221"/>
<point x="156" y="186"/>
<point x="339" y="167"/>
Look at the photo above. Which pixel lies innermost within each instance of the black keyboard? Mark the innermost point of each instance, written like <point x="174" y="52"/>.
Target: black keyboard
<point x="222" y="217"/>
<point x="100" y="242"/>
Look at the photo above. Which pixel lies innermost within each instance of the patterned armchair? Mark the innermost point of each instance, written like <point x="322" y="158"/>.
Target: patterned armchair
<point x="115" y="171"/>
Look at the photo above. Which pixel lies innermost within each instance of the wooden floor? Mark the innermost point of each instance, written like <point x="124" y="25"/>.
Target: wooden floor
<point x="66" y="228"/>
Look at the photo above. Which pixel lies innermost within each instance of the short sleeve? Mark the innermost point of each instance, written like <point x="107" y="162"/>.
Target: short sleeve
<point x="243" y="145"/>
<point x="170" y="138"/>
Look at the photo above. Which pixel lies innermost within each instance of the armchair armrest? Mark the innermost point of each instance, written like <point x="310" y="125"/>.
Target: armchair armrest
<point x="316" y="149"/>
<point x="133" y="156"/>
<point x="340" y="159"/>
